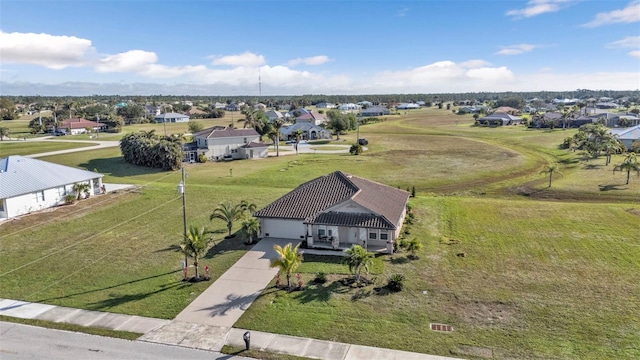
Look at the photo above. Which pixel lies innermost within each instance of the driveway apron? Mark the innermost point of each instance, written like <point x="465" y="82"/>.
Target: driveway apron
<point x="227" y="298"/>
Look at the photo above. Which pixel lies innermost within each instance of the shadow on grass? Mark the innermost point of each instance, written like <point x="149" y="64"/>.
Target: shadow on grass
<point x="611" y="187"/>
<point x="399" y="260"/>
<point x="223" y="246"/>
<point x="318" y="292"/>
<point x="119" y="300"/>
<point x="592" y="166"/>
<point x="116" y="166"/>
<point x="108" y="287"/>
<point x="361" y="294"/>
<point x="173" y="248"/>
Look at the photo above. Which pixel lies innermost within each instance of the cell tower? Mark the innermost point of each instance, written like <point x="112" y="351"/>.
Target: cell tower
<point x="259" y="84"/>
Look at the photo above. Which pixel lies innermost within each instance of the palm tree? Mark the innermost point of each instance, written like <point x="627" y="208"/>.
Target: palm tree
<point x="4" y="132"/>
<point x="413" y="246"/>
<point x="252" y="118"/>
<point x="251" y="227"/>
<point x="79" y="188"/>
<point x="550" y="169"/>
<point x="195" y="244"/>
<point x="288" y="260"/>
<point x="629" y="164"/>
<point x="228" y="213"/>
<point x="247" y="207"/>
<point x="277" y="125"/>
<point x="358" y="259"/>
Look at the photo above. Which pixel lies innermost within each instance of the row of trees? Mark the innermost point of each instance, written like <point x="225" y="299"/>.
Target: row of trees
<point x="148" y="149"/>
<point x="595" y="139"/>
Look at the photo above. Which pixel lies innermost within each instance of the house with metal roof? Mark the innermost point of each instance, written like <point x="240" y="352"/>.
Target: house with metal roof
<point x="375" y="111"/>
<point x="500" y="119"/>
<point x="171" y="118"/>
<point x="28" y="185"/>
<point x="220" y="143"/>
<point x="309" y="131"/>
<point x="627" y="135"/>
<point x="337" y="210"/>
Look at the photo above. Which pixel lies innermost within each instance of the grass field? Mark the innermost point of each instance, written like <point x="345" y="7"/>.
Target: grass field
<point x="547" y="273"/>
<point x="27" y="148"/>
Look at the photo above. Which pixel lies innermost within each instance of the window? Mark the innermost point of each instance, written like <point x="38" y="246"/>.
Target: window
<point x="245" y="140"/>
<point x="373" y="235"/>
<point x="320" y="232"/>
<point x="383" y="236"/>
<point x="61" y="192"/>
<point x="39" y="195"/>
<point x="330" y="232"/>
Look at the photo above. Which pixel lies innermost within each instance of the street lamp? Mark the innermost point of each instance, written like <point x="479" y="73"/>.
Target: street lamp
<point x="181" y="190"/>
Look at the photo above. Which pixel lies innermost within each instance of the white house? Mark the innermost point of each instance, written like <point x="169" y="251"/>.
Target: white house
<point x="28" y="185"/>
<point x="349" y="106"/>
<point x="325" y="105"/>
<point x="337" y="210"/>
<point x="627" y="135"/>
<point x="310" y="131"/>
<point x="171" y="118"/>
<point x="79" y="126"/>
<point x="405" y="106"/>
<point x="219" y="143"/>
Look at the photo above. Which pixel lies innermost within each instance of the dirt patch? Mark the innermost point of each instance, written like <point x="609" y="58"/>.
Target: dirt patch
<point x="635" y="211"/>
<point x="479" y="313"/>
<point x="476" y="351"/>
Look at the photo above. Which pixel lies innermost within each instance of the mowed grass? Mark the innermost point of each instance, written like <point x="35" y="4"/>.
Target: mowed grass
<point x="27" y="148"/>
<point x="539" y="279"/>
<point x="535" y="282"/>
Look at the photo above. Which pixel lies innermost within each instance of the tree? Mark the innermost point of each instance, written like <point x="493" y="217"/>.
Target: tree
<point x="4" y="132"/>
<point x="550" y="169"/>
<point x="289" y="258"/>
<point x="635" y="147"/>
<point x="79" y="188"/>
<point x="594" y="138"/>
<point x="413" y="246"/>
<point x="253" y="118"/>
<point x="195" y="126"/>
<point x="629" y="164"/>
<point x="228" y="213"/>
<point x="277" y="125"/>
<point x="337" y="122"/>
<point x="358" y="259"/>
<point x="355" y="149"/>
<point x="131" y="113"/>
<point x="251" y="227"/>
<point x="195" y="244"/>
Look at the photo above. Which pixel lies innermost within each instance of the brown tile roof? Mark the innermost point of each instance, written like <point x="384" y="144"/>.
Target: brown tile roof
<point x="255" y="144"/>
<point x="309" y="200"/>
<point x="220" y="132"/>
<point x="78" y="124"/>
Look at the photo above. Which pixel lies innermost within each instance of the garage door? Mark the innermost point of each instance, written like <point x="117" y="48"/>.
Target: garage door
<point x="286" y="229"/>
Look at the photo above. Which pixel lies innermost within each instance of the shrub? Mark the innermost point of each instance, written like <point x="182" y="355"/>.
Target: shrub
<point x="396" y="283"/>
<point x="69" y="199"/>
<point x="202" y="158"/>
<point x="356" y="149"/>
<point x="320" y="278"/>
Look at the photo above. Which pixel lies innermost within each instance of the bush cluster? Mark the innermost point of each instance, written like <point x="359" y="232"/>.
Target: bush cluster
<point x="147" y="149"/>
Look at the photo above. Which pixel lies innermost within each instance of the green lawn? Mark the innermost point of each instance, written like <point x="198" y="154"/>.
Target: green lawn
<point x="543" y="273"/>
<point x="29" y="147"/>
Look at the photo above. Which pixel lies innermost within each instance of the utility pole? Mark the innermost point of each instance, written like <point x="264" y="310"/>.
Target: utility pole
<point x="184" y="213"/>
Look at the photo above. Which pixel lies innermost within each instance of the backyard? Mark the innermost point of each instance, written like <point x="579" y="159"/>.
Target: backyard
<point x="520" y="270"/>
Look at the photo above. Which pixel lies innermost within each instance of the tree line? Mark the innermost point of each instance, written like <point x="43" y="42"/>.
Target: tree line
<point x="145" y="148"/>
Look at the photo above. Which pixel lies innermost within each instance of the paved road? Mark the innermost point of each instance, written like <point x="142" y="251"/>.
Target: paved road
<point x="19" y="341"/>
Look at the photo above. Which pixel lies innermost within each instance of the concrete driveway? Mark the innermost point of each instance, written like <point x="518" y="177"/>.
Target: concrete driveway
<point x="227" y="298"/>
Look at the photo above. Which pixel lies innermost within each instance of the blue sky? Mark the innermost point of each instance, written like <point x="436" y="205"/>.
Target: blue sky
<point x="316" y="47"/>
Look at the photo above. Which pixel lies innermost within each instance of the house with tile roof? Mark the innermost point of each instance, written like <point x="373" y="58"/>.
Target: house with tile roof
<point x="28" y="185"/>
<point x="78" y="126"/>
<point x="337" y="210"/>
<point x="224" y="143"/>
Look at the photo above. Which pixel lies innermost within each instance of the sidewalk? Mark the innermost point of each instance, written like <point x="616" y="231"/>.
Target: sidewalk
<point x="205" y="337"/>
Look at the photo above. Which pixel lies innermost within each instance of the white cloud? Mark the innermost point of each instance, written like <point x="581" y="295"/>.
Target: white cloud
<point x="52" y="51"/>
<point x="245" y="59"/>
<point x="630" y="14"/>
<point x="475" y="63"/>
<point x="130" y="61"/>
<point x="630" y="42"/>
<point x="538" y="7"/>
<point x="313" y="60"/>
<point x="402" y="12"/>
<point x="517" y="49"/>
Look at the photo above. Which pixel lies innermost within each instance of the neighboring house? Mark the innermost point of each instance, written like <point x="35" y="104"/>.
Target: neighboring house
<point x="29" y="185"/>
<point x="607" y="105"/>
<point x="196" y="111"/>
<point x="407" y="106"/>
<point x="219" y="143"/>
<point x="299" y="111"/>
<point x="611" y="119"/>
<point x="470" y="109"/>
<point x="627" y="135"/>
<point x="232" y="107"/>
<point x="365" y="103"/>
<point x="337" y="210"/>
<point x="348" y="106"/>
<point x="506" y="110"/>
<point x="581" y="120"/>
<point x="150" y="110"/>
<point x="171" y="118"/>
<point x="78" y="126"/>
<point x="260" y="106"/>
<point x="273" y="115"/>
<point x="499" y="119"/>
<point x="312" y="118"/>
<point x="375" y="111"/>
<point x="324" y="105"/>
<point x="309" y="131"/>
<point x="219" y="105"/>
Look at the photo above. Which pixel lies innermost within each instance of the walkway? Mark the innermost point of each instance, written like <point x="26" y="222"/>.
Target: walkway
<point x="227" y="298"/>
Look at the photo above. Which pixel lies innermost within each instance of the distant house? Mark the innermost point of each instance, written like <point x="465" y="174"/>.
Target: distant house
<point x="471" y="109"/>
<point x="627" y="135"/>
<point x="232" y="107"/>
<point x="325" y="105"/>
<point x="374" y="111"/>
<point x="499" y="119"/>
<point x="407" y="106"/>
<point x="196" y="112"/>
<point x="349" y="106"/>
<point x="30" y="185"/>
<point x="77" y="126"/>
<point x="273" y="114"/>
<point x="260" y="106"/>
<point x="150" y="110"/>
<point x="309" y="131"/>
<point x="337" y="210"/>
<point x="171" y="118"/>
<point x="365" y="103"/>
<point x="612" y="119"/>
<point x="506" y="110"/>
<point x="311" y="117"/>
<point x="219" y="105"/>
<point x="607" y="105"/>
<point x="297" y="112"/>
<point x="220" y="143"/>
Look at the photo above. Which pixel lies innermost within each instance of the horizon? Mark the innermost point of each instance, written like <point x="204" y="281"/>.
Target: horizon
<point x="285" y="48"/>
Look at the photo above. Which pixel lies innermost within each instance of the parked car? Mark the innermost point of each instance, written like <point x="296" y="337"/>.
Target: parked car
<point x="60" y="133"/>
<point x="363" y="141"/>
